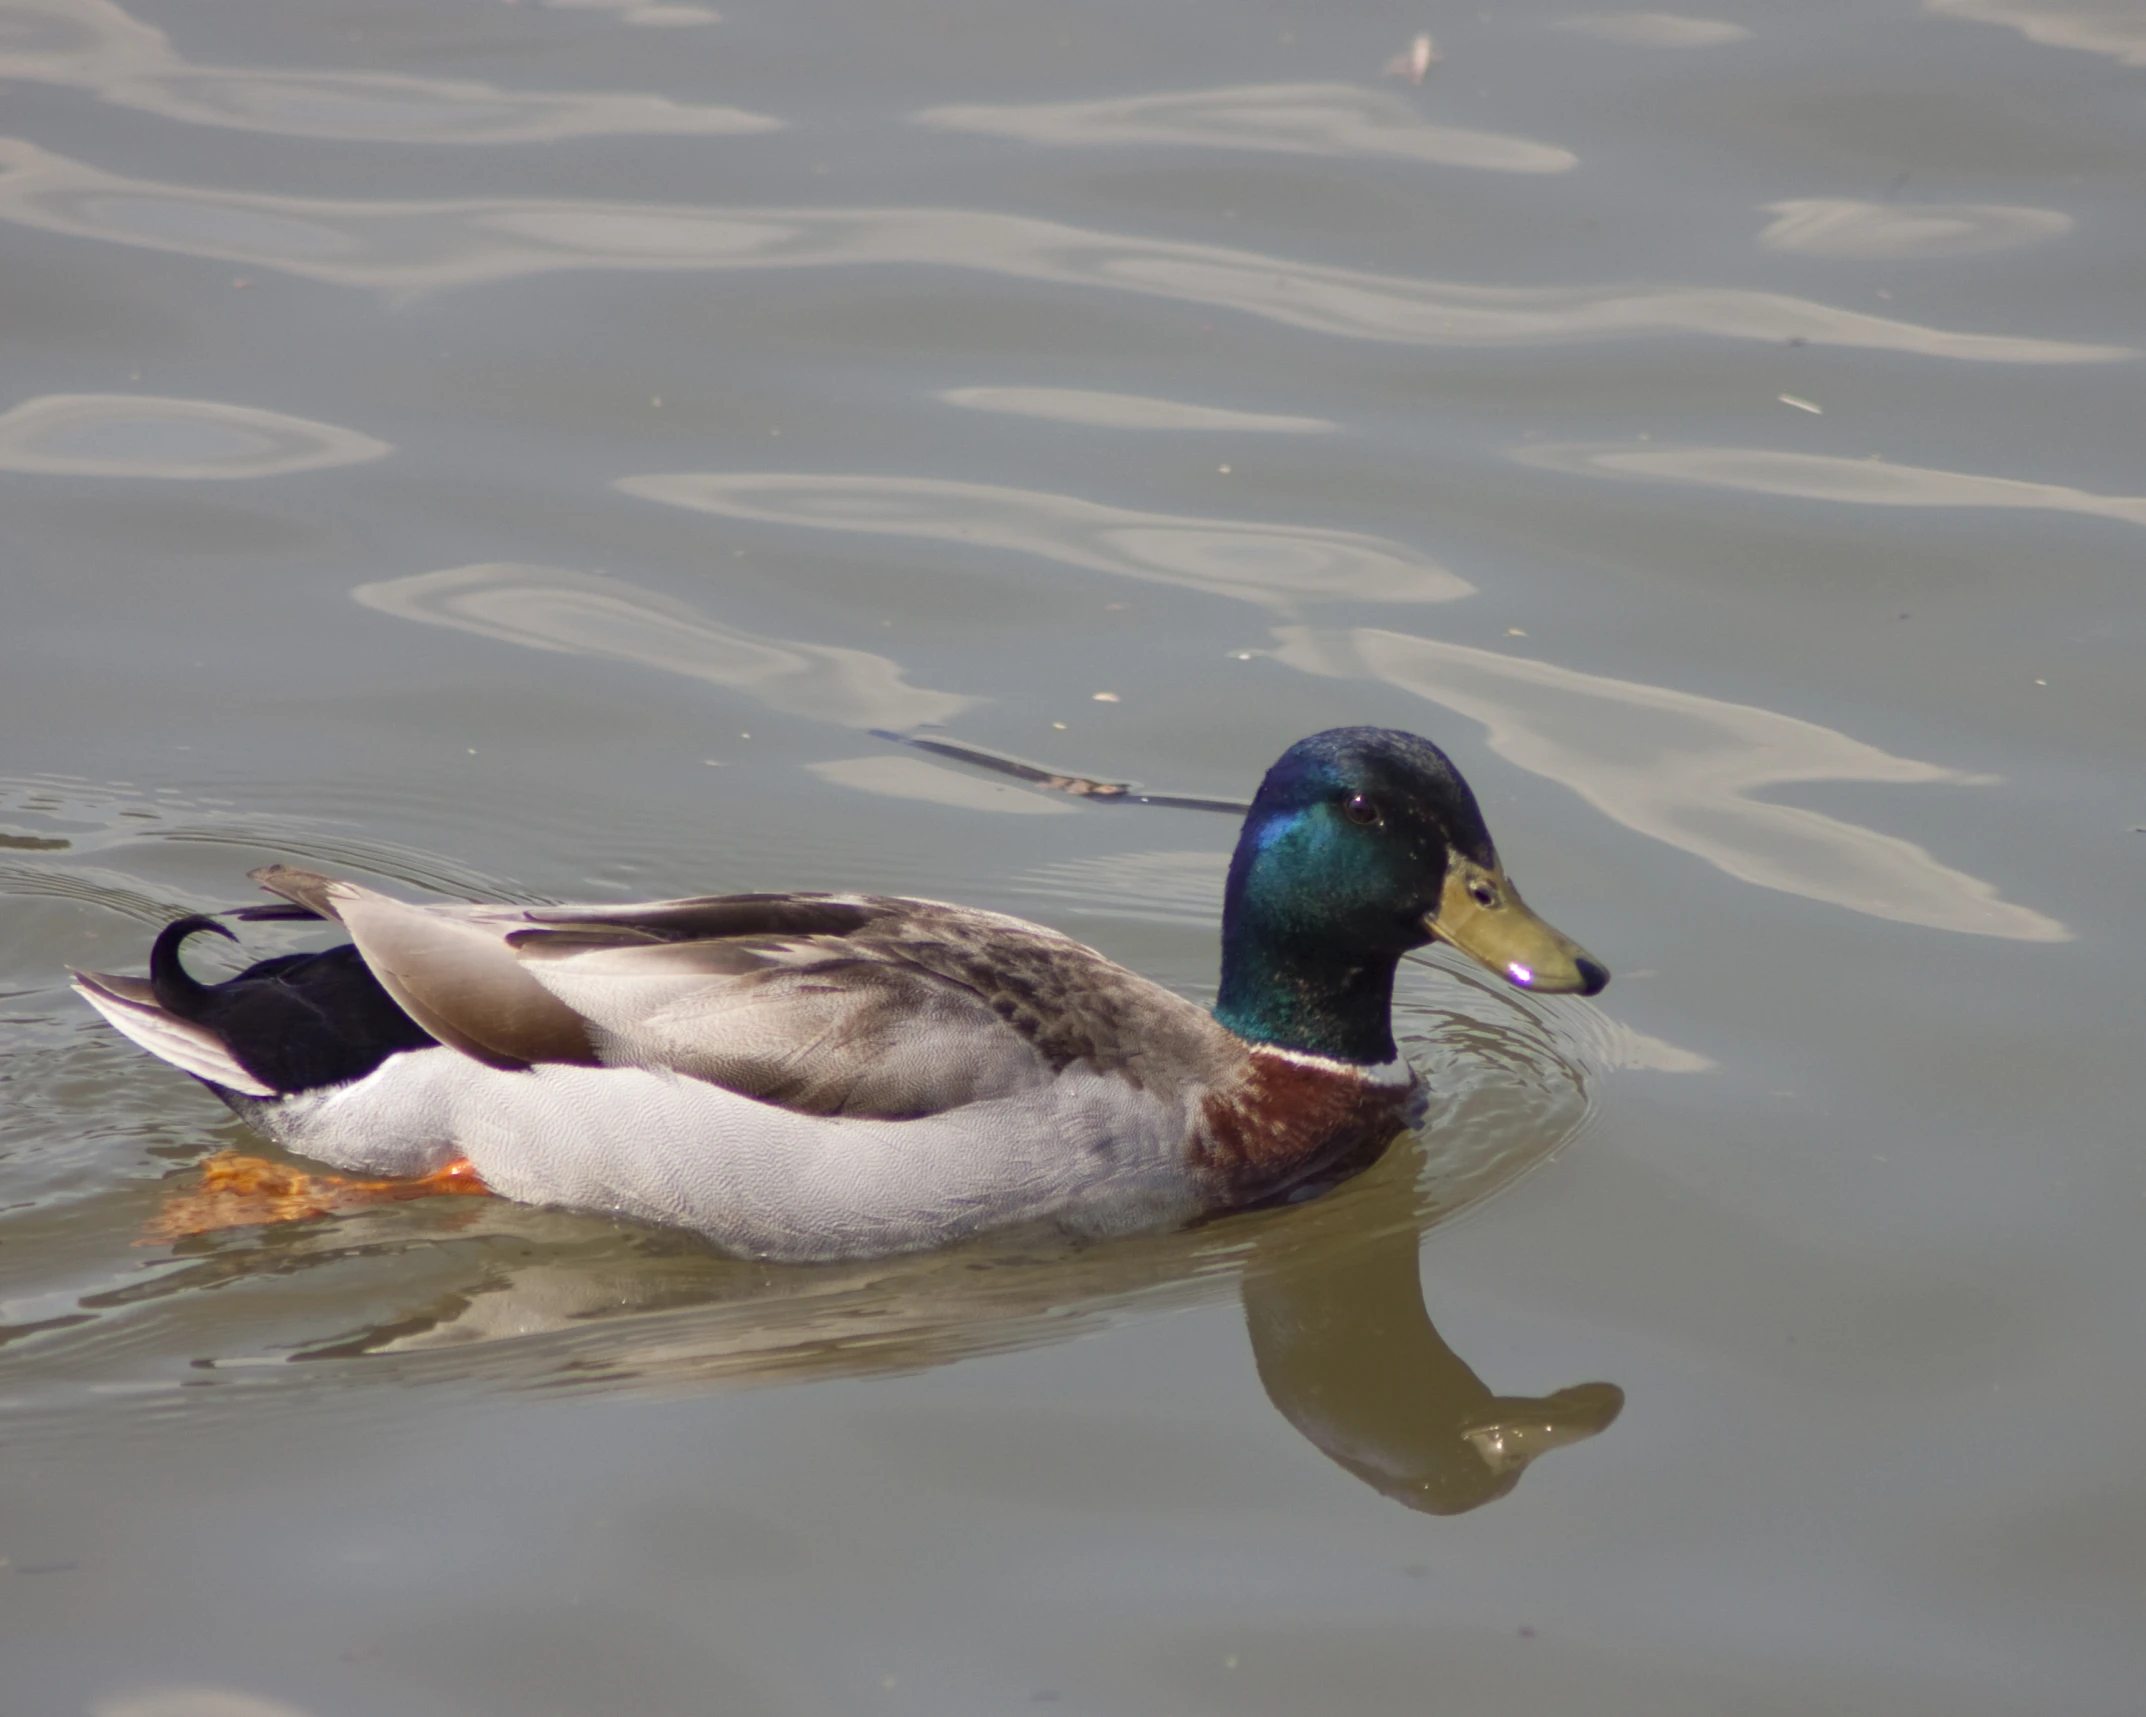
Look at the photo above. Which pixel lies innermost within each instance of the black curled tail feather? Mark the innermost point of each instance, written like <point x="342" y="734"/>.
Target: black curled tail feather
<point x="177" y="990"/>
<point x="294" y="1022"/>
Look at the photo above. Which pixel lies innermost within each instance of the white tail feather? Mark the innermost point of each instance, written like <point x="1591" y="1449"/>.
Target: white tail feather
<point x="190" y="1048"/>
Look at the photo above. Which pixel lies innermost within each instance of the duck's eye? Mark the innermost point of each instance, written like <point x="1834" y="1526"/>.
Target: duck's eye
<point x="1362" y="809"/>
<point x="1482" y="893"/>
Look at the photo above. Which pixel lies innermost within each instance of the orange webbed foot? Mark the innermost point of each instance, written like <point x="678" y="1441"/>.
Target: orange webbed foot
<point x="237" y="1191"/>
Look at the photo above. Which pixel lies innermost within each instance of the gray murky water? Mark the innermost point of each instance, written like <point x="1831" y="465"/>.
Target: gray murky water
<point x="525" y="450"/>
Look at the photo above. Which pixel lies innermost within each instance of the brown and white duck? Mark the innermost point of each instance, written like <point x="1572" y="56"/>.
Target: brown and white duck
<point x="819" y="1076"/>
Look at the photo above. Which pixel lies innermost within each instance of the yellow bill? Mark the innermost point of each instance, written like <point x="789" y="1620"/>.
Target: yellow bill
<point x="1482" y="915"/>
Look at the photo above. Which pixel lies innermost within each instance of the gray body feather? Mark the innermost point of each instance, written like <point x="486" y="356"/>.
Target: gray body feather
<point x="1085" y="1152"/>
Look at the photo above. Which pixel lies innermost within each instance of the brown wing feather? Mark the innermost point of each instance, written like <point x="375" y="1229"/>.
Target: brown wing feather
<point x="837" y="1037"/>
<point x="827" y="1004"/>
<point x="457" y="978"/>
<point x="864" y="1006"/>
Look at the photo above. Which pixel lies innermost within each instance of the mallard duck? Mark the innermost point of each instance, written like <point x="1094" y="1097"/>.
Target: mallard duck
<point x="820" y="1076"/>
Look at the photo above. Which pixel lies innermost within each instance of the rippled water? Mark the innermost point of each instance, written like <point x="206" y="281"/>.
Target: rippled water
<point x="542" y="450"/>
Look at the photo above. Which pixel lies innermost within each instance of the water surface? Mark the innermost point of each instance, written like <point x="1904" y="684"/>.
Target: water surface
<point x="535" y="451"/>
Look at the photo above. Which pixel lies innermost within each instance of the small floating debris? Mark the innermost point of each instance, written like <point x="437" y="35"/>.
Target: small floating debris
<point x="1801" y="404"/>
<point x="1414" y="60"/>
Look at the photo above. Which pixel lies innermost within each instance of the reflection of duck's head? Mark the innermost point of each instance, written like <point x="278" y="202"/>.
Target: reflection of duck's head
<point x="1430" y="1470"/>
<point x="1350" y="1357"/>
<point x="1363" y="844"/>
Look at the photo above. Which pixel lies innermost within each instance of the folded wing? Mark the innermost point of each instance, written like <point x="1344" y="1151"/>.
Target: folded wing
<point x="823" y="1004"/>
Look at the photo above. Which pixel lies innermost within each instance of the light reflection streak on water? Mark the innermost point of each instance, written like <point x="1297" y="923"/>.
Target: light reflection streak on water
<point x="414" y="247"/>
<point x="1656" y="29"/>
<point x="1683" y="769"/>
<point x="1096" y="410"/>
<point x="2118" y="33"/>
<point x="1269" y="564"/>
<point x="92" y="45"/>
<point x="1294" y="119"/>
<point x="655" y="16"/>
<point x="1846" y="226"/>
<point x="1827" y="477"/>
<point x="194" y="1699"/>
<point x="554" y="608"/>
<point x="141" y="435"/>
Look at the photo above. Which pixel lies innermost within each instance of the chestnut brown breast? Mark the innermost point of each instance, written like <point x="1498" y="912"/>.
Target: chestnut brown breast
<point x="1285" y="1122"/>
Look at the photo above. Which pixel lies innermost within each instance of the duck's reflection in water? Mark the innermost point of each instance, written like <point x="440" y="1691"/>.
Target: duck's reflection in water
<point x="1332" y="1301"/>
<point x="1350" y="1357"/>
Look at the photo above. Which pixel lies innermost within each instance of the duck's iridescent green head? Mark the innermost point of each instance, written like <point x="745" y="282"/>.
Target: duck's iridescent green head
<point x="1362" y="844"/>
